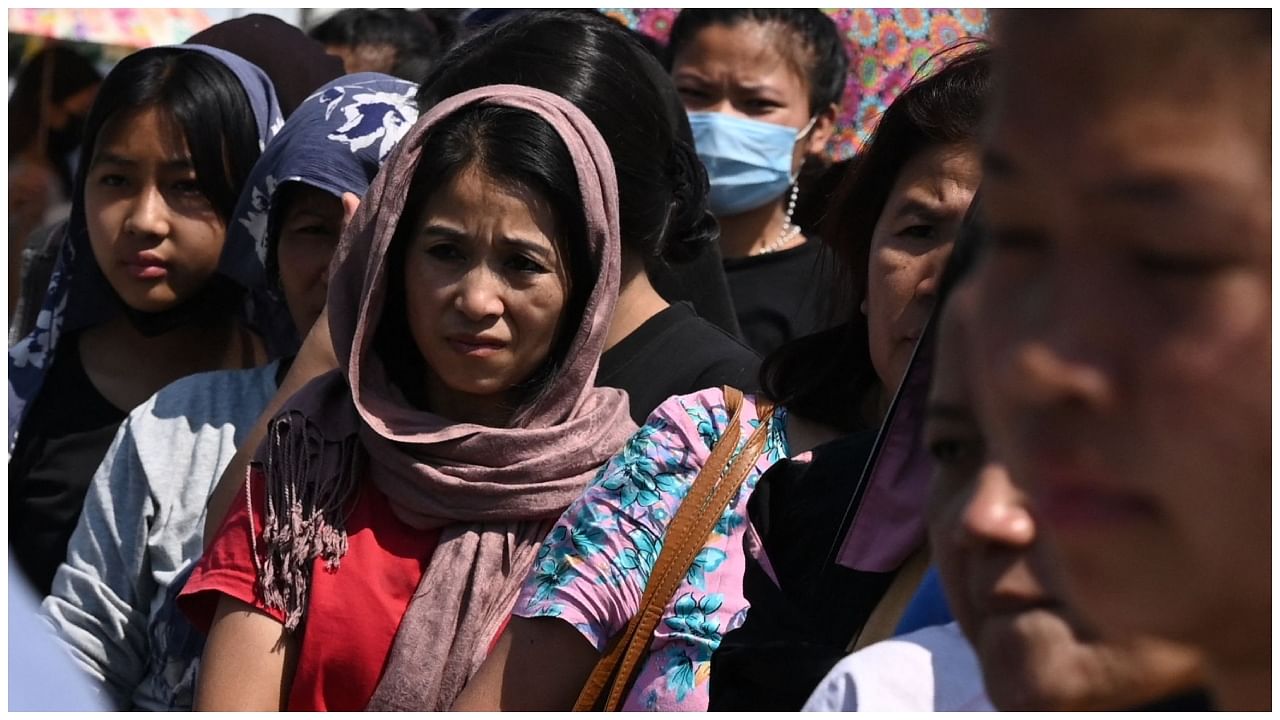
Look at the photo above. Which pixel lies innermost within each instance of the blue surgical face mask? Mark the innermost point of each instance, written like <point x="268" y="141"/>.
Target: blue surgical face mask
<point x="748" y="161"/>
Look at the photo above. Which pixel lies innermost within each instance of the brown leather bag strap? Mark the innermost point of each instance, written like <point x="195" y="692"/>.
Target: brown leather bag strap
<point x="718" y="481"/>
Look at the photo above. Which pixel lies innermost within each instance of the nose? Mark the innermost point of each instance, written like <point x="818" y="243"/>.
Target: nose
<point x="149" y="214"/>
<point x="479" y="295"/>
<point x="996" y="513"/>
<point x="931" y="271"/>
<point x="722" y="106"/>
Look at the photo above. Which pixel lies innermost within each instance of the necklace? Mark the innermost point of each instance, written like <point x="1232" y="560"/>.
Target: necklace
<point x="788" y="231"/>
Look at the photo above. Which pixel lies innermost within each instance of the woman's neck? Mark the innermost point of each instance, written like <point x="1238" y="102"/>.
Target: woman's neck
<point x="128" y="367"/>
<point x="755" y="231"/>
<point x="637" y="301"/>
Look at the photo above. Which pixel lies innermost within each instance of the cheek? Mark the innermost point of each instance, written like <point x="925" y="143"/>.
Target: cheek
<point x="300" y="270"/>
<point x="423" y="297"/>
<point x="949" y="555"/>
<point x="886" y="282"/>
<point x="102" y="219"/>
<point x="199" y="243"/>
<point x="540" y="309"/>
<point x="883" y="304"/>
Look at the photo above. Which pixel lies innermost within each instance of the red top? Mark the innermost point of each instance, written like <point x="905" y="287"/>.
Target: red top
<point x="352" y="612"/>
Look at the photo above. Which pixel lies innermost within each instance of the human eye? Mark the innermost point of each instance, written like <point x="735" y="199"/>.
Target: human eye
<point x="691" y="91"/>
<point x="522" y="263"/>
<point x="953" y="447"/>
<point x="918" y="231"/>
<point x="761" y="105"/>
<point x="314" y="228"/>
<point x="444" y="251"/>
<point x="1016" y="239"/>
<point x="187" y="186"/>
<point x="111" y="180"/>
<point x="1175" y="266"/>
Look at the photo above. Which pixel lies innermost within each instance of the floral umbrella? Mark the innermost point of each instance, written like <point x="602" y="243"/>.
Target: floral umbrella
<point x="886" y="46"/>
<point x="129" y="27"/>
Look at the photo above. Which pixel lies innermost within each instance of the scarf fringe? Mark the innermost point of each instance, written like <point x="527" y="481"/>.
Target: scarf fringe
<point x="304" y="517"/>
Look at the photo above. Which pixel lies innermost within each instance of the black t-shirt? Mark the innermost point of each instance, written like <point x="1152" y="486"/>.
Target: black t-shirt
<point x="700" y="282"/>
<point x="67" y="432"/>
<point x="780" y="296"/>
<point x="675" y="353"/>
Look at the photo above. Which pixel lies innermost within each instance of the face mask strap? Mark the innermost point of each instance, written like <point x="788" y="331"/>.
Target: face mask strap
<point x="813" y="121"/>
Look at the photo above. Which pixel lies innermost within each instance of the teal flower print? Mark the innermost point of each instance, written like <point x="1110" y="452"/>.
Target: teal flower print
<point x="708" y="422"/>
<point x="588" y="539"/>
<point x="639" y="482"/>
<point x="641" y="556"/>
<point x="707" y="560"/>
<point x="693" y="616"/>
<point x="684" y="671"/>
<point x="731" y="520"/>
<point x="550" y="575"/>
<point x="553" y="543"/>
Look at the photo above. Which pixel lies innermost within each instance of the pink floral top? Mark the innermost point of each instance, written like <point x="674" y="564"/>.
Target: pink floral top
<point x="592" y="569"/>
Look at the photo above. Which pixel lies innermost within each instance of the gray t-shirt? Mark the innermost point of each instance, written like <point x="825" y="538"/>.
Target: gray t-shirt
<point x="139" y="536"/>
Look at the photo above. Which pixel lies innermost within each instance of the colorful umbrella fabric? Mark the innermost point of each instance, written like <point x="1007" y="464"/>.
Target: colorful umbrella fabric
<point x="130" y="27"/>
<point x="886" y="47"/>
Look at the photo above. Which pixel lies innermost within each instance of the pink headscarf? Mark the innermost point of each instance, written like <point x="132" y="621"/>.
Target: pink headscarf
<point x="493" y="492"/>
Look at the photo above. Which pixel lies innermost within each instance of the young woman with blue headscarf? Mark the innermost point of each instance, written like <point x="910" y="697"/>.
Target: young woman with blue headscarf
<point x="139" y="535"/>
<point x="147" y="288"/>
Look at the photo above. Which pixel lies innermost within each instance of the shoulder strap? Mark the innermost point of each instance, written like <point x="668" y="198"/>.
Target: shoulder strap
<point x="717" y="482"/>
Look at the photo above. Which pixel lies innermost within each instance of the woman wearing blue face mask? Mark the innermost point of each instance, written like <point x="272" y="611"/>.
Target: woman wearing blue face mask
<point x="762" y="88"/>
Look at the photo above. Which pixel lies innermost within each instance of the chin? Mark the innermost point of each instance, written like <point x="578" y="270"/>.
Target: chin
<point x="1027" y="662"/>
<point x="147" y="304"/>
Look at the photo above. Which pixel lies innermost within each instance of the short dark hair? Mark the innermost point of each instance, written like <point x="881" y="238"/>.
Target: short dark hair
<point x="594" y="63"/>
<point x="827" y="376"/>
<point x="819" y="54"/>
<point x="512" y="146"/>
<point x="203" y="97"/>
<point x="413" y="36"/>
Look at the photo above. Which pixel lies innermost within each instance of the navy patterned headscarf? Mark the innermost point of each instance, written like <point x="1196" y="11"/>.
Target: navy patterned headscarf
<point x="79" y="297"/>
<point x="335" y="141"/>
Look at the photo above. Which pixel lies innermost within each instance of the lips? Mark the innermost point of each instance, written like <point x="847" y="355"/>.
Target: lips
<point x="147" y="266"/>
<point x="476" y="346"/>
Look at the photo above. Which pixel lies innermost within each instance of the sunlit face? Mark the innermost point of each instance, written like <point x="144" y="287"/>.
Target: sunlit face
<point x="155" y="236"/>
<point x="911" y="243"/>
<point x="309" y="228"/>
<point x="486" y="283"/>
<point x="1125" y="332"/>
<point x="737" y="70"/>
<point x="1001" y="582"/>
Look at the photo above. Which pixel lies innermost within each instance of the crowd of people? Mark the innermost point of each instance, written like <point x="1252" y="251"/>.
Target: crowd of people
<point x="416" y="365"/>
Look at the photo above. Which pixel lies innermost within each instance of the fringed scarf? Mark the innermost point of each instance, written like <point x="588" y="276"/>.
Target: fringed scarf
<point x="492" y="492"/>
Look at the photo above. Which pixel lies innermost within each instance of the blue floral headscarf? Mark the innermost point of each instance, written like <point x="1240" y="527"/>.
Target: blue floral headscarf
<point x="79" y="297"/>
<point x="335" y="141"/>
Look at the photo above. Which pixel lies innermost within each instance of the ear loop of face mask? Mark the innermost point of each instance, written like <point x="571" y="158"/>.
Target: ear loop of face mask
<point x="800" y="135"/>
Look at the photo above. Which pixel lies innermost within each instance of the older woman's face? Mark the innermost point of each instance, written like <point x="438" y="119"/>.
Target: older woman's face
<point x="485" y="284"/>
<point x="1125" y="334"/>
<point x="911" y="243"/>
<point x="1000" y="579"/>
